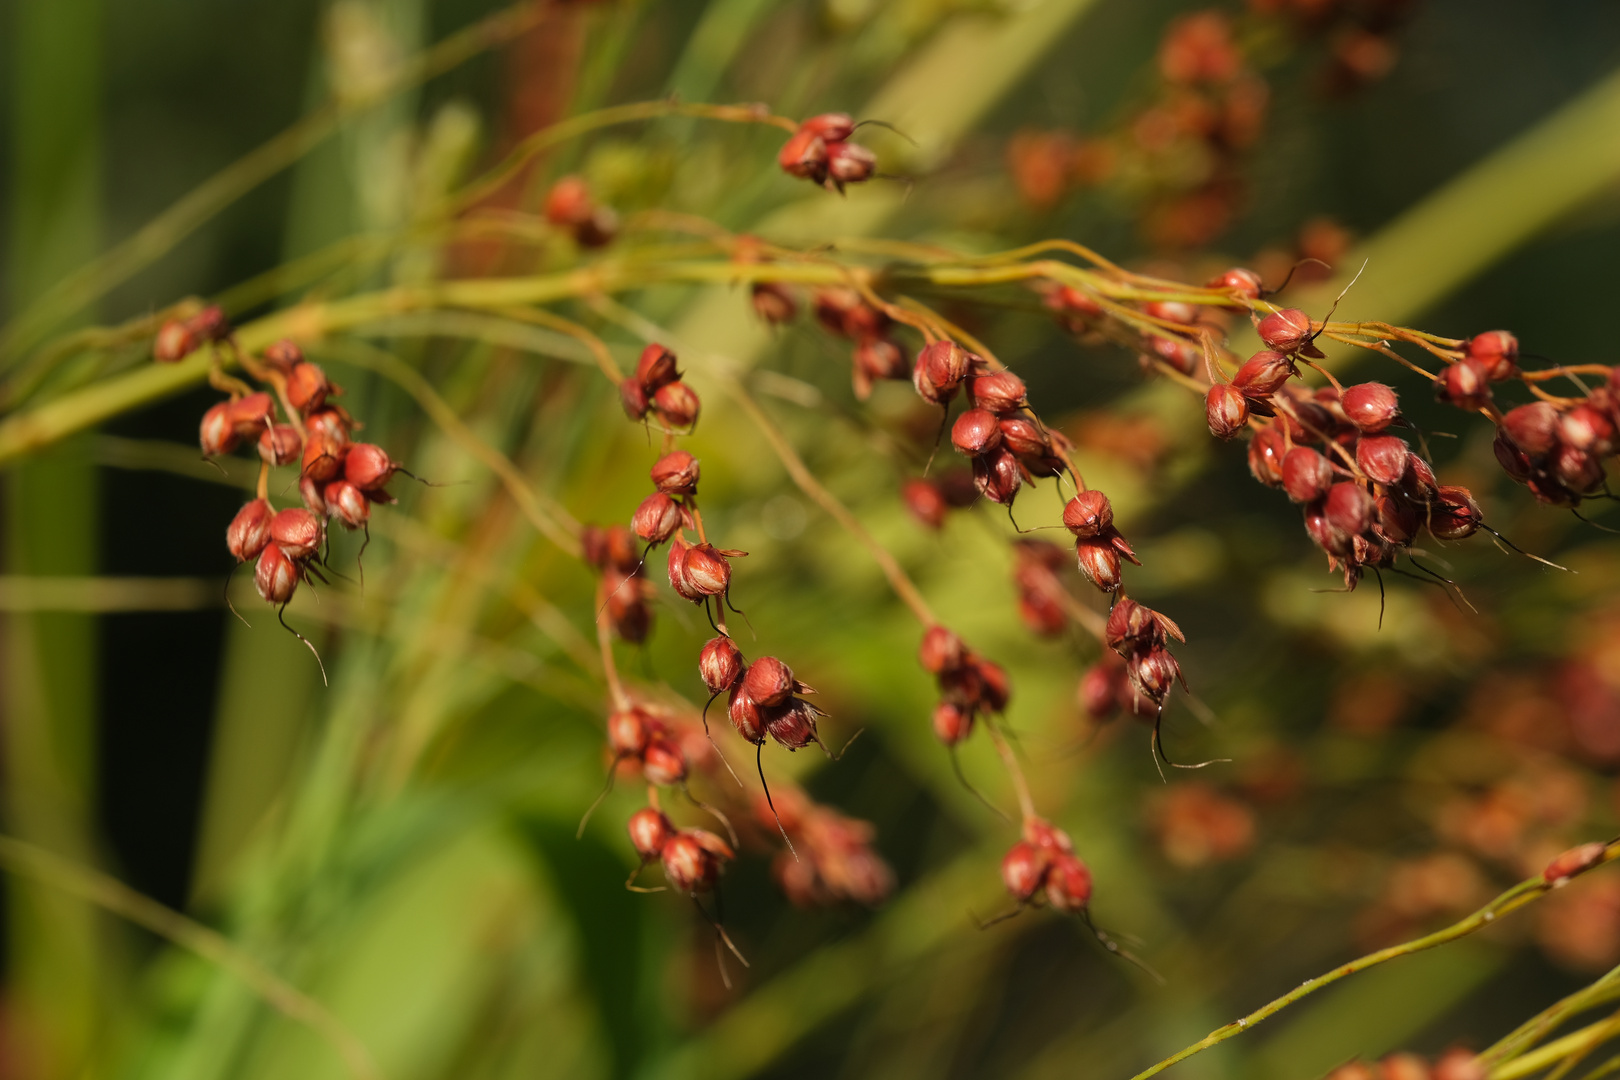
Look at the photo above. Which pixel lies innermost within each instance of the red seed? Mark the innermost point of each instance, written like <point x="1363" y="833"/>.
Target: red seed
<point x="1286" y="331"/>
<point x="1023" y="870"/>
<point x="1240" y="282"/>
<point x="628" y="732"/>
<point x="1454" y="515"/>
<point x="878" y="358"/>
<point x="1396" y="520"/>
<point x="633" y="396"/>
<point x="657" y="518"/>
<point x="1327" y="536"/>
<point x="1348" y="508"/>
<point x="677" y="404"/>
<point x="940" y="369"/>
<point x="297" y="532"/>
<point x="1025" y="438"/>
<point x="769" y="681"/>
<point x="1383" y="458"/>
<point x="1371" y="407"/>
<point x="173" y="343"/>
<point x="849" y="163"/>
<point x="773" y="302"/>
<point x="649" y="831"/>
<point x="1001" y="392"/>
<point x="679" y="579"/>
<point x="1497" y="352"/>
<point x="925" y="501"/>
<point x="834" y="127"/>
<point x="707" y="571"/>
<point x="1264" y="373"/>
<point x="1179" y="353"/>
<point x="215" y="434"/>
<point x="676" y="473"/>
<point x="348" y="502"/>
<point x="275" y="576"/>
<point x="1464" y="385"/>
<point x="792" y="724"/>
<point x="996" y="687"/>
<point x="1579" y="470"/>
<point x="1574" y="861"/>
<point x="1152" y="672"/>
<point x="1585" y="428"/>
<point x="307" y="386"/>
<point x="745" y="714"/>
<point x="662" y="763"/>
<point x="1514" y="461"/>
<point x="569" y="202"/>
<point x="941" y="651"/>
<point x="310" y="492"/>
<point x="688" y="865"/>
<point x="280" y="444"/>
<point x="1306" y="475"/>
<point x="249" y="531"/>
<point x="1099" y="562"/>
<point x="1088" y="514"/>
<point x="1068" y="883"/>
<point x="976" y="432"/>
<point x="368" y="467"/>
<point x="1046" y="836"/>
<point x="996" y="475"/>
<point x="283" y="355"/>
<point x="1533" y="428"/>
<point x="1225" y="410"/>
<point x="251" y="414"/>
<point x="656" y="367"/>
<point x="1098" y="690"/>
<point x="720" y="663"/>
<point x="804" y="155"/>
<point x="323" y="456"/>
<point x="210" y="324"/>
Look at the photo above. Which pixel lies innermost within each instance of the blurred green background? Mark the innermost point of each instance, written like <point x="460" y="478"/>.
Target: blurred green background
<point x="401" y="843"/>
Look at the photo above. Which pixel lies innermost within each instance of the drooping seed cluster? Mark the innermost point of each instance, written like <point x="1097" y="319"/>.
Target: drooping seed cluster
<point x="877" y="355"/>
<point x="1043" y="867"/>
<point x="1556" y="449"/>
<point x="1041" y="595"/>
<point x="657" y="388"/>
<point x="624" y="595"/>
<point x="832" y="858"/>
<point x="569" y="206"/>
<point x="1006" y="442"/>
<point x="820" y="151"/>
<point x="338" y="478"/>
<point x="692" y="858"/>
<point x="969" y="685"/>
<point x="762" y="698"/>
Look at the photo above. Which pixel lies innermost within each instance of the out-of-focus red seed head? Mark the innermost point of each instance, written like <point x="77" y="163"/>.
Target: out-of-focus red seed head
<point x="619" y="549"/>
<point x="1041" y="613"/>
<point x="1458" y="1064"/>
<point x="1383" y="458"/>
<point x="283" y="355"/>
<point x="1464" y="385"/>
<point x="1240" y="282"/>
<point x="1533" y="428"/>
<point x="307" y="386"/>
<point x="1514" y="461"/>
<point x="1068" y="883"/>
<point x="846" y="313"/>
<point x="804" y="155"/>
<point x="1263" y="374"/>
<point x="676" y="473"/>
<point x="1371" y="406"/>
<point x="368" y="467"/>
<point x="251" y="414"/>
<point x="1266" y="452"/>
<point x="1396" y="520"/>
<point x="1574" y="861"/>
<point x="1023" y="870"/>
<point x="649" y="831"/>
<point x="215" y="434"/>
<point x="1098" y="691"/>
<point x="769" y="681"/>
<point x="627" y="609"/>
<point x="348" y="502"/>
<point x="330" y="421"/>
<point x="773" y="302"/>
<point x="1088" y="514"/>
<point x="688" y="865"/>
<point x="941" y="366"/>
<point x="1178" y="352"/>
<point x="1306" y="475"/>
<point x="1497" y="352"/>
<point x="997" y="687"/>
<point x="173" y="343"/>
<point x="657" y="518"/>
<point x="849" y="163"/>
<point x="1001" y="392"/>
<point x="1046" y="836"/>
<point x="569" y="202"/>
<point x="976" y="432"/>
<point x="249" y="530"/>
<point x="310" y="491"/>
<point x="720" y="663"/>
<point x="952" y="723"/>
<point x="275" y="575"/>
<point x="633" y="396"/>
<point x="677" y="404"/>
<point x="297" y="532"/>
<point x="280" y="444"/>
<point x="662" y="763"/>
<point x="877" y="358"/>
<point x="628" y="732"/>
<point x="707" y="570"/>
<point x="1403" y="1066"/>
<point x="1348" y="508"/>
<point x="925" y="501"/>
<point x="1286" y="331"/>
<point x="656" y="367"/>
<point x="1225" y="410"/>
<point x="941" y="651"/>
<point x="997" y="476"/>
<point x="834" y="127"/>
<point x="1586" y="428"/>
<point x="1025" y="438"/>
<point x="1099" y="562"/>
<point x="1455" y="515"/>
<point x="210" y="324"/>
<point x="745" y="713"/>
<point x="323" y="456"/>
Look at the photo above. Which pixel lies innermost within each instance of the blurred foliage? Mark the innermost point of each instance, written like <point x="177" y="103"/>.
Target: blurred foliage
<point x="400" y="844"/>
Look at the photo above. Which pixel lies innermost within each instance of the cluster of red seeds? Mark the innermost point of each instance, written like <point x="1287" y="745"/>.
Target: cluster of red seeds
<point x="569" y="206"/>
<point x="1366" y="494"/>
<point x="1456" y="1064"/>
<point x="969" y="685"/>
<point x="692" y="858"/>
<point x="337" y="477"/>
<point x="1043" y="866"/>
<point x="820" y="151"/>
<point x="832" y="858"/>
<point x="1005" y="441"/>
<point x="877" y="355"/>
<point x="1554" y="449"/>
<point x="656" y="387"/>
<point x="624" y="594"/>
<point x="1041" y="595"/>
<point x="763" y="698"/>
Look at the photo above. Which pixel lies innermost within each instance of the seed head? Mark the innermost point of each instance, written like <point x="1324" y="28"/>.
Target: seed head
<point x="633" y="396"/>
<point x="657" y="518"/>
<point x="1371" y="407"/>
<point x="628" y="732"/>
<point x="1497" y="352"/>
<point x="1001" y="392"/>
<point x="1585" y="428"/>
<point x="925" y="501"/>
<point x="174" y="342"/>
<point x="941" y="651"/>
<point x="280" y="444"/>
<point x="1383" y="458"/>
<point x="215" y="434"/>
<point x="849" y="163"/>
<point x="1286" y="331"/>
<point x="275" y="576"/>
<point x="1455" y="515"/>
<point x="1574" y="861"/>
<point x="1023" y="870"/>
<point x="769" y="681"/>
<point x="1464" y="385"/>
<point x="1263" y="374"/>
<point x="691" y="860"/>
<point x="283" y="355"/>
<point x="793" y="724"/>
<point x="773" y="302"/>
<point x="249" y="530"/>
<point x="976" y="432"/>
<point x="1240" y="282"/>
<point x="676" y="473"/>
<point x="952" y="723"/>
<point x="1533" y="428"/>
<point x="656" y="368"/>
<point x="1099" y="561"/>
<point x="1152" y="671"/>
<point x="649" y="831"/>
<point x="745" y="713"/>
<point x="368" y="467"/>
<point x="677" y="404"/>
<point x="323" y="456"/>
<point x="1225" y="410"/>
<point x="307" y="386"/>
<point x="1068" y="883"/>
<point x="720" y="663"/>
<point x="297" y="532"/>
<point x="1266" y="452"/>
<point x="662" y="762"/>
<point x="940" y="369"/>
<point x="348" y="502"/>
<point x="1348" y="508"/>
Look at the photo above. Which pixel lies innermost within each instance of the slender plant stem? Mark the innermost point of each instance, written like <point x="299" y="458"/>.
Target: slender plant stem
<point x="33" y="862"/>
